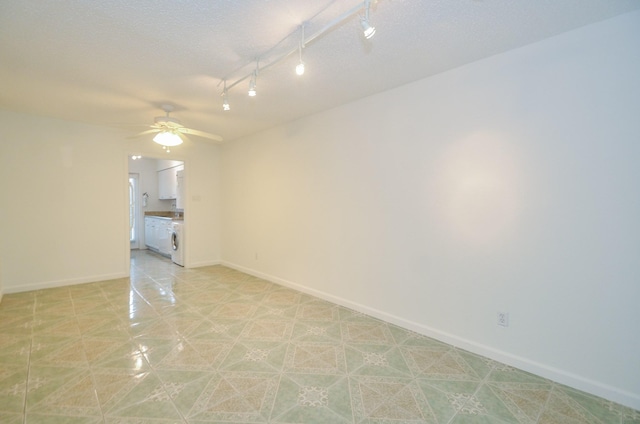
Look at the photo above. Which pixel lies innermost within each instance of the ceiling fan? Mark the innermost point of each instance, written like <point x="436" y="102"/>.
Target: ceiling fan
<point x="170" y="132"/>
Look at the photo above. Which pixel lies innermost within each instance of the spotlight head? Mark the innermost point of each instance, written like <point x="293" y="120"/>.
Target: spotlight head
<point x="252" y="86"/>
<point x="369" y="31"/>
<point x="225" y="102"/>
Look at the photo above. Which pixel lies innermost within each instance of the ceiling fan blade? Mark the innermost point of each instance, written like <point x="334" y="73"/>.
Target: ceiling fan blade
<point x="202" y="134"/>
<point x="155" y="130"/>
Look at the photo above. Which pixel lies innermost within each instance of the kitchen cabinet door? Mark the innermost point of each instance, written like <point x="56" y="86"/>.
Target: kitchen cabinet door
<point x="167" y="184"/>
<point x="163" y="230"/>
<point x="150" y="232"/>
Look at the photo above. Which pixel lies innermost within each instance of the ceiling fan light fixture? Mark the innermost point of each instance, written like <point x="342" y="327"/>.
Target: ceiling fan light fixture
<point x="167" y="139"/>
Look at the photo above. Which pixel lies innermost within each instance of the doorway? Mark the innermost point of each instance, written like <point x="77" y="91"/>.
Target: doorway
<point x="148" y="196"/>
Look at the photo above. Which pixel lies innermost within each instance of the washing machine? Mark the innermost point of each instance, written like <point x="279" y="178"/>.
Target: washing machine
<point x="177" y="242"/>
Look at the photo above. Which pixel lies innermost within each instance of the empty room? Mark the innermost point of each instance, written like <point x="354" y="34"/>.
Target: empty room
<point x="282" y="211"/>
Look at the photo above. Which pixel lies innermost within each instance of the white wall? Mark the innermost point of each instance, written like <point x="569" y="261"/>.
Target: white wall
<point x="510" y="184"/>
<point x="64" y="209"/>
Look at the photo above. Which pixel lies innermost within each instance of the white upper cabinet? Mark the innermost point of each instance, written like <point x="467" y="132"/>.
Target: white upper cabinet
<point x="168" y="182"/>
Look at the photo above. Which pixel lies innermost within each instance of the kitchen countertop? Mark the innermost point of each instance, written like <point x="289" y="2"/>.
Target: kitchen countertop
<point x="174" y="216"/>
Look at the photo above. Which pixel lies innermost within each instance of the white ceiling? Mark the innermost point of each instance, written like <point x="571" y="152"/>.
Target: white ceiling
<point x="114" y="62"/>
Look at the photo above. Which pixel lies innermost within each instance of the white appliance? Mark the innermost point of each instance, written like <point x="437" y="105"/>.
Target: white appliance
<point x="177" y="243"/>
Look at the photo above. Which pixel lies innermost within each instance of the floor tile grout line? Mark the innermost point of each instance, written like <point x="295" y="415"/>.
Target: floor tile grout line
<point x="546" y="402"/>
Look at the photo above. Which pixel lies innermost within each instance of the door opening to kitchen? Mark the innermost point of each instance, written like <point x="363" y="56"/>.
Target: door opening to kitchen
<point x="156" y="207"/>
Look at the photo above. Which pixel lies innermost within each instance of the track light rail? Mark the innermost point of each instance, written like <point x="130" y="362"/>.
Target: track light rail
<point x="304" y="42"/>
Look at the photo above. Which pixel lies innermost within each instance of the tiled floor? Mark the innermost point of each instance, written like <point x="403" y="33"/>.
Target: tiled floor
<point x="175" y="345"/>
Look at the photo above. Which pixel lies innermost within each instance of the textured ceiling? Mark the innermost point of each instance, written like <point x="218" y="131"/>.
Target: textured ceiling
<point x="115" y="62"/>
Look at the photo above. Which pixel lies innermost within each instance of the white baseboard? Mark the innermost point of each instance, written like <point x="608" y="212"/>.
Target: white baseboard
<point x="61" y="283"/>
<point x="204" y="263"/>
<point x="596" y="388"/>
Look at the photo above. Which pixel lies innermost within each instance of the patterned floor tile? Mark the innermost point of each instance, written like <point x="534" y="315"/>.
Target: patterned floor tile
<point x="366" y="332"/>
<point x="442" y="363"/>
<point x="15" y="350"/>
<point x="283" y="297"/>
<point x="113" y="385"/>
<point x="58" y="351"/>
<point x="63" y="308"/>
<point x="73" y="395"/>
<point x="11" y="418"/>
<point x="524" y="401"/>
<point x="315" y="358"/>
<point x="317" y="311"/>
<point x="148" y="398"/>
<point x="218" y="329"/>
<point x="187" y="386"/>
<point x="317" y="331"/>
<point x="194" y="355"/>
<point x="304" y="398"/>
<point x="255" y="357"/>
<point x="46" y="418"/>
<point x="410" y="338"/>
<point x="267" y="330"/>
<point x="13" y="389"/>
<point x="236" y="397"/>
<point x="571" y="406"/>
<point x="389" y="400"/>
<point x="376" y="360"/>
<point x="446" y="398"/>
<point x="195" y="346"/>
<point x="270" y="311"/>
<point x="234" y="310"/>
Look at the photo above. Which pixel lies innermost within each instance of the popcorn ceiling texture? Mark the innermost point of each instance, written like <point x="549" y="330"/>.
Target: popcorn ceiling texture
<point x="107" y="62"/>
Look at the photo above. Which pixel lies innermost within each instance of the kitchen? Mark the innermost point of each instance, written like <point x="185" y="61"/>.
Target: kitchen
<point x="156" y="206"/>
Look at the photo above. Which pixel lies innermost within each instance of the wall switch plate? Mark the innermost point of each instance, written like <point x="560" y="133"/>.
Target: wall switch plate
<point x="503" y="319"/>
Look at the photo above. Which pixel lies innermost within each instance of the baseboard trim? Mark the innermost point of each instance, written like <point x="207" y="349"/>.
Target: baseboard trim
<point x="578" y="382"/>
<point x="204" y="263"/>
<point x="67" y="282"/>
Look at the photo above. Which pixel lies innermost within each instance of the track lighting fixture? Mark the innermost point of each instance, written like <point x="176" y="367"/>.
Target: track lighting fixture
<point x="225" y="102"/>
<point x="369" y="31"/>
<point x="252" y="83"/>
<point x="225" y="99"/>
<point x="300" y="66"/>
<point x="270" y="59"/>
<point x="252" y="86"/>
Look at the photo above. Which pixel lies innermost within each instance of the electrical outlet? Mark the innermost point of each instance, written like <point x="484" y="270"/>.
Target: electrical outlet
<point x="503" y="319"/>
